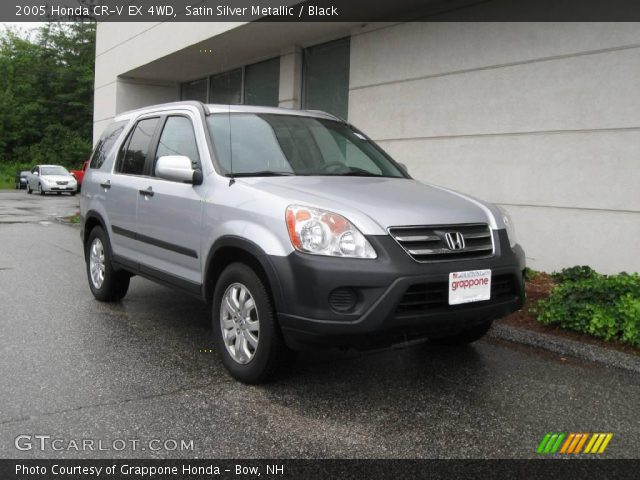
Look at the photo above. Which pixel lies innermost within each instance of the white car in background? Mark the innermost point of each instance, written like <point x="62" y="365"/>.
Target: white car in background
<point x="51" y="179"/>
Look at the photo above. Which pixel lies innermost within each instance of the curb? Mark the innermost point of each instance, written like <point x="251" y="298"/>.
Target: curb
<point x="563" y="346"/>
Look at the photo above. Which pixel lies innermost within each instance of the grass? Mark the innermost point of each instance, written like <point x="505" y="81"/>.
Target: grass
<point x="73" y="218"/>
<point x="8" y="173"/>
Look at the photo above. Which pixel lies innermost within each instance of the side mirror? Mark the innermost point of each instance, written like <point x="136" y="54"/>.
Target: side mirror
<point x="178" y="168"/>
<point x="36" y="173"/>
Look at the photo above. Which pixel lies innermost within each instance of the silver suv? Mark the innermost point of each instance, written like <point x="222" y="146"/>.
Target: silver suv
<point x="296" y="228"/>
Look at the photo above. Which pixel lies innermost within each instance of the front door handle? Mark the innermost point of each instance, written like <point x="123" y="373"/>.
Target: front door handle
<point x="147" y="193"/>
<point x="106" y="184"/>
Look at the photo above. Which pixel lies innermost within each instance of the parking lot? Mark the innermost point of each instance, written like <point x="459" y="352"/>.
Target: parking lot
<point x="72" y="368"/>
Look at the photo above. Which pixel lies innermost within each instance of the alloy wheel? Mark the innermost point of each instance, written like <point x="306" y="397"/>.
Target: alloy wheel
<point x="240" y="323"/>
<point x="96" y="263"/>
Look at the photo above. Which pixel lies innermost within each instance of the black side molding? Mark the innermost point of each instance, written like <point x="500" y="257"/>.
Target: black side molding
<point x="154" y="241"/>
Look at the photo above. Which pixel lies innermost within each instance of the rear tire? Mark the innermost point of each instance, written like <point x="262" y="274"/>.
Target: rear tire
<point x="245" y="329"/>
<point x="106" y="283"/>
<point x="465" y="337"/>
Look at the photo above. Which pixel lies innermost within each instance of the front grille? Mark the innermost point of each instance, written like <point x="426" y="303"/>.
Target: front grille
<point x="62" y="183"/>
<point x="429" y="297"/>
<point x="429" y="243"/>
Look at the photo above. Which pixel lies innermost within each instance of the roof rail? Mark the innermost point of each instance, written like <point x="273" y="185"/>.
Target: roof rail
<point x="328" y="114"/>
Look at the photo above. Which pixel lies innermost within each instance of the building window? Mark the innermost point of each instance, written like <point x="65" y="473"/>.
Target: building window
<point x="262" y="83"/>
<point x="325" y="77"/>
<point x="194" y="90"/>
<point x="226" y="88"/>
<point x="257" y="84"/>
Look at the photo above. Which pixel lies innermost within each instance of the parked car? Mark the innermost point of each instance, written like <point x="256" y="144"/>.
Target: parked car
<point x="51" y="179"/>
<point x="296" y="228"/>
<point x="21" y="180"/>
<point x="79" y="174"/>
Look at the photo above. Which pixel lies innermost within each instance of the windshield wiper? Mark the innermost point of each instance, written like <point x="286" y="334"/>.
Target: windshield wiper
<point x="261" y="173"/>
<point x="354" y="172"/>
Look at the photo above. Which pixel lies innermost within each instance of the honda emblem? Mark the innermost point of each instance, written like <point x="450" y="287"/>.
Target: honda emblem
<point x="455" y="240"/>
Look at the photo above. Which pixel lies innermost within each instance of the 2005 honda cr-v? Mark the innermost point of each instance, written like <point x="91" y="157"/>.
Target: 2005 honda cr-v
<point x="296" y="228"/>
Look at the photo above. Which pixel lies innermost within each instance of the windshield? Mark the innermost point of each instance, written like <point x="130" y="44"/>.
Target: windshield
<point x="53" y="171"/>
<point x="256" y="144"/>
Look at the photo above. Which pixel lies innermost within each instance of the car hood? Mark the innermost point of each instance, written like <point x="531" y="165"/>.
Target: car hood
<point x="385" y="201"/>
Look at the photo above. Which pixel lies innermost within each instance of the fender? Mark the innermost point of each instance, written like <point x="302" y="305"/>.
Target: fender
<point x="91" y="215"/>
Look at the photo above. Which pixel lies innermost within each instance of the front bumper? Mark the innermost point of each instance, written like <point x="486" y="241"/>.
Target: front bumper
<point x="382" y="308"/>
<point x="59" y="188"/>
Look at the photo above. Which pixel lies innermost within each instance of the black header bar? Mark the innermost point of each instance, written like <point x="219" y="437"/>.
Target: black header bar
<point x="566" y="469"/>
<point x="318" y="10"/>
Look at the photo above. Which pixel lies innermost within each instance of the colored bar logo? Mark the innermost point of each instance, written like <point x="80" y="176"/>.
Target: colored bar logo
<point x="573" y="443"/>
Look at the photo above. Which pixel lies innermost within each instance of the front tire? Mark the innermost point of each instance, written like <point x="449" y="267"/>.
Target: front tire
<point x="40" y="190"/>
<point x="464" y="337"/>
<point x="106" y="283"/>
<point x="29" y="189"/>
<point x="245" y="330"/>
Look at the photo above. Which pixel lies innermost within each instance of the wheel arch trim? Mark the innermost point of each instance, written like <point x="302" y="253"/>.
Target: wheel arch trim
<point x="250" y="248"/>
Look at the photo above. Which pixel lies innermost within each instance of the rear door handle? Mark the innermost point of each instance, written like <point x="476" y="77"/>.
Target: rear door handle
<point x="106" y="184"/>
<point x="147" y="193"/>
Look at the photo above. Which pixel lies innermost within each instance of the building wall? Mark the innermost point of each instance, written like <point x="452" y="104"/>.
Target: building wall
<point x="161" y="55"/>
<point x="121" y="47"/>
<point x="540" y="118"/>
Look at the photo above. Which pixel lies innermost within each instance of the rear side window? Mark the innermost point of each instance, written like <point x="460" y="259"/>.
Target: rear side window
<point x="134" y="152"/>
<point x="178" y="138"/>
<point x="105" y="144"/>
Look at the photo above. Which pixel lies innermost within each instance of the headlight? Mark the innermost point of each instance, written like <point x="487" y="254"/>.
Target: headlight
<point x="320" y="232"/>
<point x="508" y="222"/>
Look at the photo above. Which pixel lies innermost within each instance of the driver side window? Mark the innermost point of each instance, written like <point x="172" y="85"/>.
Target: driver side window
<point x="178" y="138"/>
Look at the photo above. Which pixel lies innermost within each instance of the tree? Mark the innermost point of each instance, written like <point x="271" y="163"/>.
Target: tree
<point x="46" y="94"/>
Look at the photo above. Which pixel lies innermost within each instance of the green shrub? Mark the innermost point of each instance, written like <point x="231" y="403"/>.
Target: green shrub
<point x="529" y="274"/>
<point x="571" y="274"/>
<point x="629" y="311"/>
<point x="605" y="306"/>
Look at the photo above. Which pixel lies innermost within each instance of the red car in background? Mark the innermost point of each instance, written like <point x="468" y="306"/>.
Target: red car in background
<point x="79" y="174"/>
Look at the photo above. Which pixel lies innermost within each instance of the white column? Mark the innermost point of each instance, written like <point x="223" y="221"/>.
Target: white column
<point x="289" y="95"/>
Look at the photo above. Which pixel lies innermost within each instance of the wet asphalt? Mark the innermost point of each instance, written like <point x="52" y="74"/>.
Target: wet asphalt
<point x="140" y="371"/>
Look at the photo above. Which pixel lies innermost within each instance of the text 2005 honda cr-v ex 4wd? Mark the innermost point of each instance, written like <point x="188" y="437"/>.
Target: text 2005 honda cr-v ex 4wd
<point x="296" y="228"/>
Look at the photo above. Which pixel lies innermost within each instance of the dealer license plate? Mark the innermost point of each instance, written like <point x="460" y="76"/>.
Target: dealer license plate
<point x="469" y="286"/>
